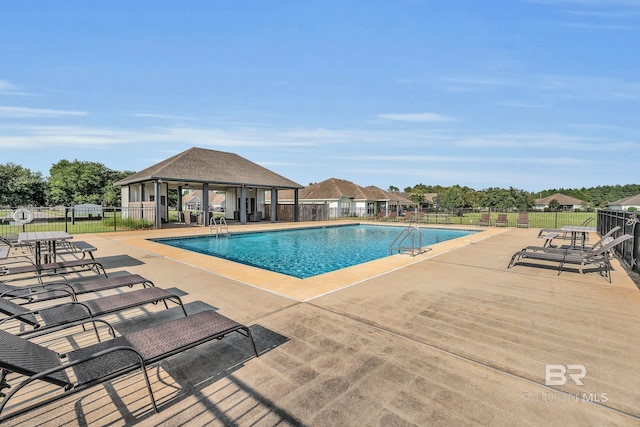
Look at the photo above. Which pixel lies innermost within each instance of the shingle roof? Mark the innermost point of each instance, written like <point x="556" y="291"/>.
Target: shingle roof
<point x="334" y="189"/>
<point x="561" y="198"/>
<point x="213" y="167"/>
<point x="627" y="201"/>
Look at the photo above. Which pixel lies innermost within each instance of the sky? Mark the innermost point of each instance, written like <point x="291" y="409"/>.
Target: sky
<point x="530" y="94"/>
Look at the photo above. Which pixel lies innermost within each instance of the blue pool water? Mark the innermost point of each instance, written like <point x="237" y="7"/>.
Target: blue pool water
<point x="307" y="252"/>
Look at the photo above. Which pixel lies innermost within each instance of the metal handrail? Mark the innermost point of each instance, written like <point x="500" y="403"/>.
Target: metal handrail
<point x="219" y="226"/>
<point x="409" y="232"/>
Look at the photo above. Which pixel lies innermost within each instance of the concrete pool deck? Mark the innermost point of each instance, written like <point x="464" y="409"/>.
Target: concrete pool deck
<point x="450" y="337"/>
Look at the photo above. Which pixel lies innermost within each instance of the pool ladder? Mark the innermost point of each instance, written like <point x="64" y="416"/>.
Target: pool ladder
<point x="405" y="241"/>
<point x="221" y="226"/>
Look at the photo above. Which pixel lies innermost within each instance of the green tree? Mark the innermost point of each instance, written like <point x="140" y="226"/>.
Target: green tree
<point x="453" y="199"/>
<point x="20" y="186"/>
<point x="79" y="182"/>
<point x="554" y="205"/>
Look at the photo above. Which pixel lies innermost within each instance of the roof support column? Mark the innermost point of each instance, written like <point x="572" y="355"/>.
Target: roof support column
<point x="158" y="205"/>
<point x="205" y="203"/>
<point x="243" y="205"/>
<point x="274" y="204"/>
<point x="180" y="213"/>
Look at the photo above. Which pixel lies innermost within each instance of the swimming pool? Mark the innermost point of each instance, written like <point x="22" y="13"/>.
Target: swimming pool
<point x="307" y="252"/>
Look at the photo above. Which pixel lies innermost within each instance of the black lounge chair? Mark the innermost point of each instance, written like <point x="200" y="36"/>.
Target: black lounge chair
<point x="599" y="257"/>
<point x="62" y="267"/>
<point x="70" y="312"/>
<point x="53" y="290"/>
<point x="106" y="360"/>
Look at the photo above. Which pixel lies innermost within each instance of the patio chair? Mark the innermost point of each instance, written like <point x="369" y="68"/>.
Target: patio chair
<point x="74" y="311"/>
<point x="562" y="234"/>
<point x="485" y="219"/>
<point x="60" y="289"/>
<point x="103" y="361"/>
<point x="523" y="220"/>
<point x="501" y="221"/>
<point x="600" y="257"/>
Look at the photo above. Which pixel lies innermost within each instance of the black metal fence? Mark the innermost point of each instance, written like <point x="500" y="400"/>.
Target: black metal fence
<point x="74" y="221"/>
<point x="537" y="219"/>
<point x="628" y="223"/>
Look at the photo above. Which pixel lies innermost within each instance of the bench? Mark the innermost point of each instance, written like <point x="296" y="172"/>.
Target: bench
<point x="85" y="248"/>
<point x="4" y="252"/>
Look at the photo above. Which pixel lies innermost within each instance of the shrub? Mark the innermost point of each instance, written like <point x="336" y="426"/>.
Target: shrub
<point x="136" y="224"/>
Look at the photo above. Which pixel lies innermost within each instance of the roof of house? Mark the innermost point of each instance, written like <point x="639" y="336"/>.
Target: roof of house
<point x="196" y="195"/>
<point x="213" y="167"/>
<point x="334" y="189"/>
<point x="627" y="201"/>
<point x="561" y="198"/>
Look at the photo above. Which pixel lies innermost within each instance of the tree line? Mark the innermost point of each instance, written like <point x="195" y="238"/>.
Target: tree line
<point x="76" y="182"/>
<point x="69" y="183"/>
<point x="502" y="199"/>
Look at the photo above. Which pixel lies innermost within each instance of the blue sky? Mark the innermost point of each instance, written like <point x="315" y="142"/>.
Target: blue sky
<point x="533" y="94"/>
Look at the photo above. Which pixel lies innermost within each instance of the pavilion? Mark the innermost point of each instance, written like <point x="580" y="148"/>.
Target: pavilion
<point x="203" y="169"/>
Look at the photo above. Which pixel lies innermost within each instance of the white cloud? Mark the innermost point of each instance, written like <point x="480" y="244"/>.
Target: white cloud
<point x="163" y="116"/>
<point x="5" y="86"/>
<point x="417" y="117"/>
<point x="12" y="112"/>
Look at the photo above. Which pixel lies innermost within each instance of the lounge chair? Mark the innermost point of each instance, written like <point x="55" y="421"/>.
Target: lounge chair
<point x="107" y="360"/>
<point x="523" y="220"/>
<point x="599" y="257"/>
<point x="27" y="266"/>
<point x="67" y="313"/>
<point x="53" y="290"/>
<point x="603" y="241"/>
<point x="561" y="234"/>
<point x="11" y="245"/>
<point x="485" y="219"/>
<point x="501" y="221"/>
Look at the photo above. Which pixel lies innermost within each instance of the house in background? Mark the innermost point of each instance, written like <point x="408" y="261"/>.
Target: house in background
<point x="632" y="202"/>
<point x="566" y="203"/>
<point x="192" y="201"/>
<point x="344" y="198"/>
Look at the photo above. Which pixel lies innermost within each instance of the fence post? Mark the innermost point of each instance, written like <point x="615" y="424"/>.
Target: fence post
<point x="115" y="228"/>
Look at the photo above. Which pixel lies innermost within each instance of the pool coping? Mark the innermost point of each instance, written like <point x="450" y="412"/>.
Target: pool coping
<point x="288" y="286"/>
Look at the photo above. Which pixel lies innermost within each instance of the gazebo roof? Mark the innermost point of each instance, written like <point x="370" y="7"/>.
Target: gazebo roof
<point x="199" y="165"/>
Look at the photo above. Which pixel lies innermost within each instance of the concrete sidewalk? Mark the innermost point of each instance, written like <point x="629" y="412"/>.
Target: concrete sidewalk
<point x="452" y="338"/>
